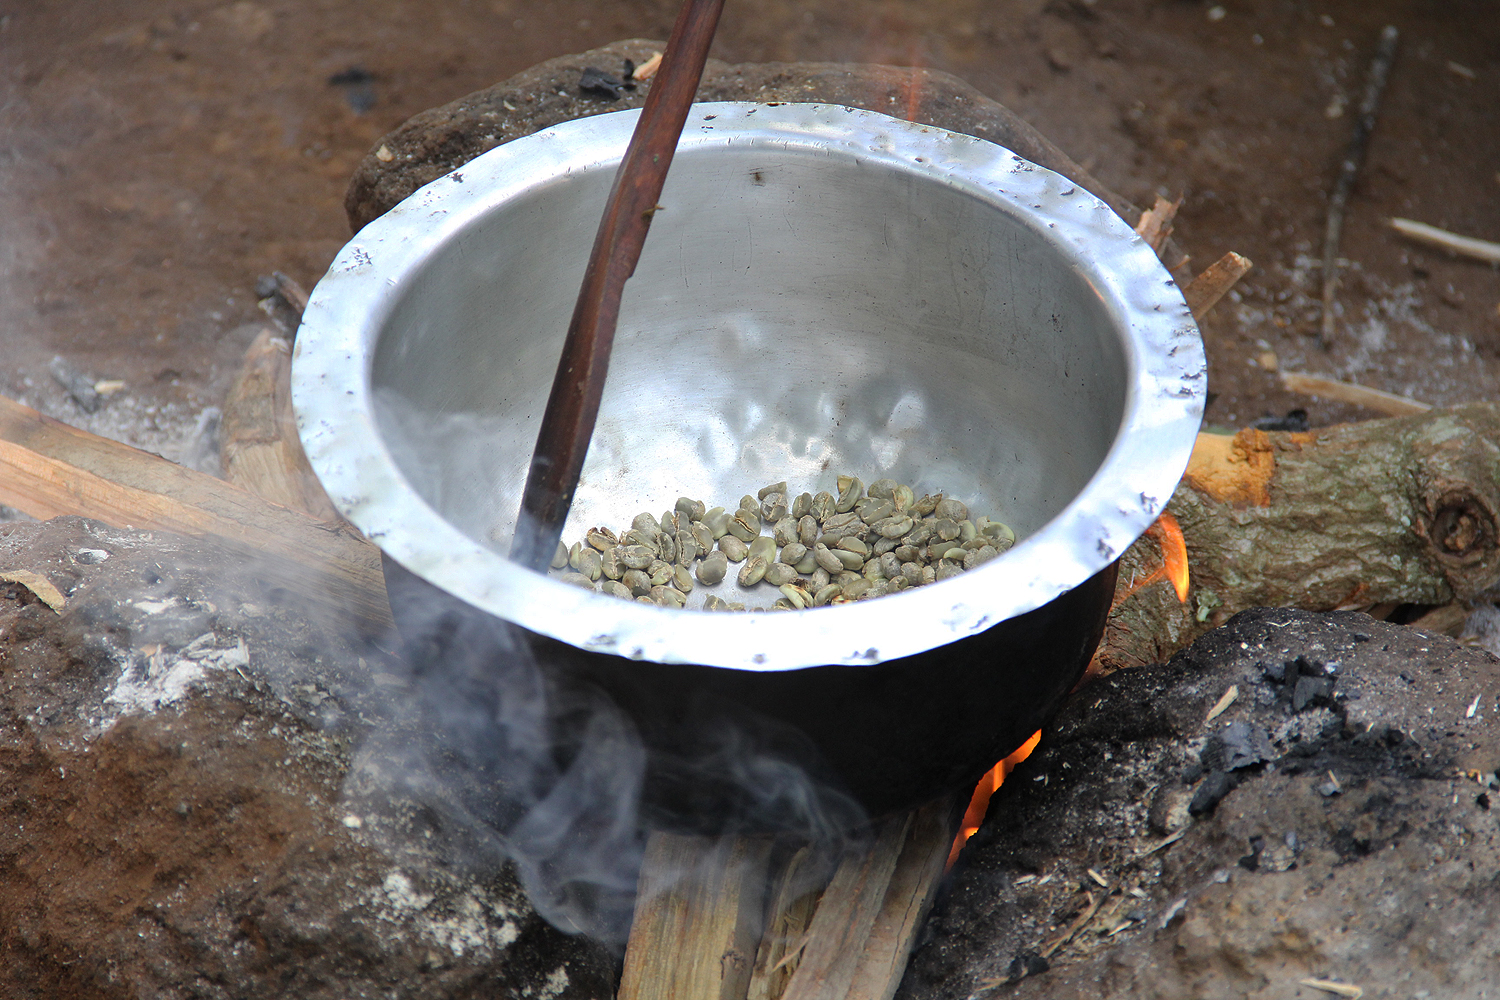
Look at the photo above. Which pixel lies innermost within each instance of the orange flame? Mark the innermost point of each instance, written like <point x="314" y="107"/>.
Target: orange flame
<point x="987" y="787"/>
<point x="1174" y="567"/>
<point x="1173" y="554"/>
<point x="1174" y="561"/>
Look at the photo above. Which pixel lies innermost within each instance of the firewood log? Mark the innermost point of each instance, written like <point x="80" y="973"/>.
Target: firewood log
<point x="1400" y="510"/>
<point x="697" y="919"/>
<point x="702" y="905"/>
<point x="48" y="468"/>
<point x="261" y="451"/>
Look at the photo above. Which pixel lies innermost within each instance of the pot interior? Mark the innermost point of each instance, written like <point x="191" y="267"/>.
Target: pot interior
<point x="797" y="313"/>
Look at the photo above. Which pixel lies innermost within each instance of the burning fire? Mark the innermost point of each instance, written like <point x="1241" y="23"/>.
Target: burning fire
<point x="987" y="787"/>
<point x="1174" y="567"/>
<point x="1173" y="553"/>
<point x="1174" y="561"/>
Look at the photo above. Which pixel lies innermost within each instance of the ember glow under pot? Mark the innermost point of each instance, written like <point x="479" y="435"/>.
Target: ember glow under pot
<point x="824" y="290"/>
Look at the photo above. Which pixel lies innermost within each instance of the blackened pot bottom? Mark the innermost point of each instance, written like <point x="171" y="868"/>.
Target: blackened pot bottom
<point x="807" y="751"/>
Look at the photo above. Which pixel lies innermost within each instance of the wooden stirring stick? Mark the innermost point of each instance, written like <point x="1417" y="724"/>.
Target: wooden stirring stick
<point x="573" y="406"/>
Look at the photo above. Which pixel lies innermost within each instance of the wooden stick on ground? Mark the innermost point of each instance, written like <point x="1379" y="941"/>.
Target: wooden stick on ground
<point x="1338" y="202"/>
<point x="1387" y="403"/>
<point x="1468" y="246"/>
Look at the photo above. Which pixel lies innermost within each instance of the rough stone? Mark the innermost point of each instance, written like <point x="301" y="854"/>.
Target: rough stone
<point x="1364" y="849"/>
<point x="174" y="813"/>
<point x="436" y="142"/>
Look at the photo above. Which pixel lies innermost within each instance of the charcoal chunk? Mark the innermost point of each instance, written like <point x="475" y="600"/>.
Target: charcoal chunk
<point x="1237" y="745"/>
<point x="1217" y="785"/>
<point x="1311" y="691"/>
<point x="1026" y="963"/>
<point x="596" y="81"/>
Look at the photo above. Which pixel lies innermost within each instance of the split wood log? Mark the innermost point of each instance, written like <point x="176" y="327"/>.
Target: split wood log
<point x="48" y="468"/>
<point x="793" y="894"/>
<point x="261" y="451"/>
<point x="846" y="916"/>
<point x="1404" y="509"/>
<point x="698" y="912"/>
<point x="908" y="898"/>
<point x="699" y="897"/>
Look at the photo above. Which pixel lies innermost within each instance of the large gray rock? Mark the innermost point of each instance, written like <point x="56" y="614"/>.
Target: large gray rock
<point x="441" y="140"/>
<point x="1356" y="838"/>
<point x="176" y="817"/>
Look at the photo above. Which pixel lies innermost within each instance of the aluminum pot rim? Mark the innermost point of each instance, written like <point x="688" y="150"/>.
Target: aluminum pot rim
<point x="1164" y="398"/>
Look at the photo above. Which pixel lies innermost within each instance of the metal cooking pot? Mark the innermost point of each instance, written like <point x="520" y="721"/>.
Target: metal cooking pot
<point x="824" y="290"/>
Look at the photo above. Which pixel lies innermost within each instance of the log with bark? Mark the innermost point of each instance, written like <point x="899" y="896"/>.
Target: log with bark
<point x="1394" y="511"/>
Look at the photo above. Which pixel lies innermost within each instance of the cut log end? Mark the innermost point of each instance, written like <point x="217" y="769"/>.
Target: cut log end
<point x="1461" y="529"/>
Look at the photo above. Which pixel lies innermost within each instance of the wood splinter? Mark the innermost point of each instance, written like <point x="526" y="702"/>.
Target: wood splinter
<point x="1205" y="291"/>
<point x="1156" y="222"/>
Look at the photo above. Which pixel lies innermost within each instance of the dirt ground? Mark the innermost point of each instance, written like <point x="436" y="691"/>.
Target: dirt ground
<point x="160" y="155"/>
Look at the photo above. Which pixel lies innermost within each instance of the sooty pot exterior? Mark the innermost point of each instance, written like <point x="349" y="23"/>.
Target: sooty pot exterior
<point x="825" y="746"/>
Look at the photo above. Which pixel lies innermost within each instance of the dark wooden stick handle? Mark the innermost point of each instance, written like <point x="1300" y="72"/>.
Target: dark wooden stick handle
<point x="573" y="406"/>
